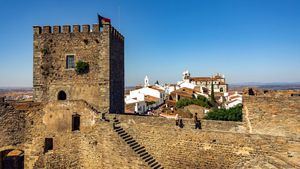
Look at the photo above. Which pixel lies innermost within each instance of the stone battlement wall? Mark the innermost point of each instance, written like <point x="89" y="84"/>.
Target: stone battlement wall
<point x="208" y="148"/>
<point x="269" y="93"/>
<point x="217" y="145"/>
<point x="188" y="123"/>
<point x="75" y="29"/>
<point x="273" y="115"/>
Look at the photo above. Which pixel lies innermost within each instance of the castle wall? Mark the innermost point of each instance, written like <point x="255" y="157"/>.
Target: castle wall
<point x="117" y="72"/>
<point x="273" y="115"/>
<point x="96" y="145"/>
<point x="174" y="147"/>
<point x="58" y="116"/>
<point x="188" y="123"/>
<point x="12" y="125"/>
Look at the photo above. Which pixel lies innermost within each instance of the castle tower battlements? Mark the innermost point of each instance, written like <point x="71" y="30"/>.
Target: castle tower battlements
<point x="58" y="49"/>
<point x="86" y="28"/>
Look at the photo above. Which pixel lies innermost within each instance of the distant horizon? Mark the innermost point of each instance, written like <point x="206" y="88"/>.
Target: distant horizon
<point x="247" y="41"/>
<point x="234" y="84"/>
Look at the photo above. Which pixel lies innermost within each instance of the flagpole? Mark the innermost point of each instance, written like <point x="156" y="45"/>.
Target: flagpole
<point x="119" y="11"/>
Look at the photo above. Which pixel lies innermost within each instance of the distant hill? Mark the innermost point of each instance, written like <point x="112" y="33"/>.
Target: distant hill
<point x="272" y="86"/>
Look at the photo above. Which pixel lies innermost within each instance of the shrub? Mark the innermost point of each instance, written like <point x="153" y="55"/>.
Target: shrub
<point x="82" y="67"/>
<point x="45" y="51"/>
<point x="231" y="114"/>
<point x="200" y="101"/>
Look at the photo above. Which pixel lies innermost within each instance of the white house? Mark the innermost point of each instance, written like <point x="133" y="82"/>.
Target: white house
<point x="146" y="98"/>
<point x="233" y="99"/>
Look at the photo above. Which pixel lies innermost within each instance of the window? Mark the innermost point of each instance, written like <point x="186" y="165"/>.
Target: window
<point x="221" y="89"/>
<point x="48" y="144"/>
<point x="75" y="122"/>
<point x="70" y="62"/>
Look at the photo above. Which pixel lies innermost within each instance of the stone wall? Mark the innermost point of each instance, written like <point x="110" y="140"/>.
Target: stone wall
<point x="278" y="116"/>
<point x="174" y="147"/>
<point x="116" y="72"/>
<point x="12" y="125"/>
<point x="96" y="145"/>
<point x="188" y="123"/>
<point x="104" y="82"/>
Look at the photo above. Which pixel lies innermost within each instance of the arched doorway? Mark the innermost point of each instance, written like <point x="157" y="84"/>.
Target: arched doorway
<point x="62" y="95"/>
<point x="12" y="159"/>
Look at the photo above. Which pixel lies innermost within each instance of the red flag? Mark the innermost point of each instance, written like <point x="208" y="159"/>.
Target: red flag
<point x="102" y="20"/>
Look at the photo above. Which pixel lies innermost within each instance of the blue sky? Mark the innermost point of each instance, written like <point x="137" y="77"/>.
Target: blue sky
<point x="247" y="40"/>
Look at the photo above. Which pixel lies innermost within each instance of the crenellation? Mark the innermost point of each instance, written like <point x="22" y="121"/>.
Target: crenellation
<point x="66" y="28"/>
<point x="76" y="28"/>
<point x="56" y="29"/>
<point x="96" y="28"/>
<point x="47" y="29"/>
<point x="86" y="28"/>
<point x="116" y="34"/>
<point x="37" y="30"/>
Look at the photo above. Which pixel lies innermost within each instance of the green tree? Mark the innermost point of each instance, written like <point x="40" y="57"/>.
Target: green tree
<point x="212" y="95"/>
<point x="231" y="114"/>
<point x="200" y="101"/>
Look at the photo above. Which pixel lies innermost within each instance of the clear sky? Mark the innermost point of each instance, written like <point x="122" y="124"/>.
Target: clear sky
<point x="247" y="40"/>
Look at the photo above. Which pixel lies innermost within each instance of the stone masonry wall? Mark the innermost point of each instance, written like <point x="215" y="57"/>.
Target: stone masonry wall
<point x="278" y="116"/>
<point x="116" y="72"/>
<point x="96" y="145"/>
<point x="174" y="147"/>
<point x="188" y="123"/>
<point x="50" y="75"/>
<point x="12" y="125"/>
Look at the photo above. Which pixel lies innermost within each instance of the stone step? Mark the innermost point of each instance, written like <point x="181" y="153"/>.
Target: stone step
<point x="118" y="129"/>
<point x="128" y="139"/>
<point x="139" y="148"/>
<point x="151" y="161"/>
<point x="125" y="137"/>
<point x="131" y="141"/>
<point x="146" y="157"/>
<point x="157" y="166"/>
<point x="143" y="154"/>
<point x="141" y="151"/>
<point x="133" y="144"/>
<point x="136" y="147"/>
<point x="154" y="164"/>
<point x="123" y="134"/>
<point x="121" y="131"/>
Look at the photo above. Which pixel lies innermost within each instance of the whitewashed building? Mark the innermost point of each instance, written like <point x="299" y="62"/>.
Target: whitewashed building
<point x="145" y="98"/>
<point x="233" y="99"/>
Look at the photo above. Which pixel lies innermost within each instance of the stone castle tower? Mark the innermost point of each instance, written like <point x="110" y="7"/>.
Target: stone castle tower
<point x="55" y="54"/>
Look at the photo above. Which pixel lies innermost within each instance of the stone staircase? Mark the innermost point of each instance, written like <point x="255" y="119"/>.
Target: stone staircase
<point x="91" y="107"/>
<point x="136" y="147"/>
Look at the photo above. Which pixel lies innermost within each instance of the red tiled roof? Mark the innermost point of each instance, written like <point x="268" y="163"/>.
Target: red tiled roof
<point x="129" y="108"/>
<point x="156" y="88"/>
<point x="149" y="98"/>
<point x="205" y="78"/>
